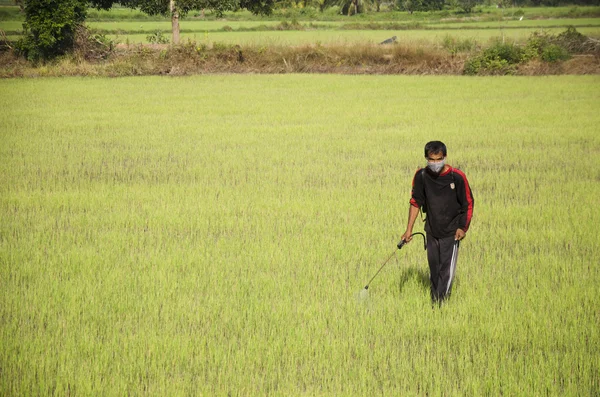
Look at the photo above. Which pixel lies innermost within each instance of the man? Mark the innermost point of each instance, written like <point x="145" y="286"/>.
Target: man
<point x="443" y="193"/>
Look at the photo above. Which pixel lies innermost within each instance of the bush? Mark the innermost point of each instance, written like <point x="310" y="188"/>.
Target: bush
<point x="500" y="58"/>
<point x="157" y="38"/>
<point x="572" y="40"/>
<point x="503" y="58"/>
<point x="50" y="27"/>
<point x="554" y="53"/>
<point x="455" y="45"/>
<point x="551" y="48"/>
<point x="535" y="45"/>
<point x="92" y="46"/>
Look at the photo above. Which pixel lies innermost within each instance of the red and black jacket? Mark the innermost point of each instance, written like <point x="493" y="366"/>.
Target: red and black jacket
<point x="446" y="198"/>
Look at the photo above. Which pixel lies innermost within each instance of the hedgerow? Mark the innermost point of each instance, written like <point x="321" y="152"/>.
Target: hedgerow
<point x="504" y="58"/>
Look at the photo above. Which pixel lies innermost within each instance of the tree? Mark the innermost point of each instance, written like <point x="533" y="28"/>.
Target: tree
<point x="50" y="26"/>
<point x="410" y="5"/>
<point x="177" y="8"/>
<point x="352" y="7"/>
<point x="468" y="5"/>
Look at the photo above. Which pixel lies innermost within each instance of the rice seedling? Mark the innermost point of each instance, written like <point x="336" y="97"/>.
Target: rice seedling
<point x="208" y="235"/>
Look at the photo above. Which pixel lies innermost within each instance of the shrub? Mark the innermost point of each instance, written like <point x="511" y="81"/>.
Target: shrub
<point x="454" y="45"/>
<point x="50" y="27"/>
<point x="535" y="45"/>
<point x="92" y="46"/>
<point x="157" y="38"/>
<point x="500" y="58"/>
<point x="552" y="48"/>
<point x="572" y="40"/>
<point x="554" y="53"/>
<point x="503" y="58"/>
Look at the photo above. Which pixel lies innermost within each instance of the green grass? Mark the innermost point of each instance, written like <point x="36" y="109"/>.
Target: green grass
<point x="207" y="235"/>
<point x="525" y="23"/>
<point x="350" y="36"/>
<point x="128" y="27"/>
<point x="333" y="15"/>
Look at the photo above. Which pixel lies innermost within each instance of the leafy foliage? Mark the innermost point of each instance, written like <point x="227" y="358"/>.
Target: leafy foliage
<point x="468" y="5"/>
<point x="50" y="26"/>
<point x="455" y="45"/>
<point x="554" y="53"/>
<point x="152" y="7"/>
<point x="157" y="38"/>
<point x="503" y="58"/>
<point x="92" y="46"/>
<point x="500" y="58"/>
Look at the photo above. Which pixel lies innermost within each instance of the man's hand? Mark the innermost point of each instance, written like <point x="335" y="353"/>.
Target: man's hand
<point x="406" y="236"/>
<point x="459" y="235"/>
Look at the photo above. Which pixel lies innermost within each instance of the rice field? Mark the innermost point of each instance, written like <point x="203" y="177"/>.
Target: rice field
<point x="209" y="235"/>
<point x="326" y="32"/>
<point x="348" y="37"/>
<point x="210" y="26"/>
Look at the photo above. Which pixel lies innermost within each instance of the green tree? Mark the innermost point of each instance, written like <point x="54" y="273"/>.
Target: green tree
<point x="468" y="5"/>
<point x="352" y="7"/>
<point x="410" y="5"/>
<point x="51" y="26"/>
<point x="177" y="8"/>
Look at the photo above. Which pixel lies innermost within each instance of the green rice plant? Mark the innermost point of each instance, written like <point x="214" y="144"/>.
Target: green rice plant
<point x="356" y="37"/>
<point x="207" y="235"/>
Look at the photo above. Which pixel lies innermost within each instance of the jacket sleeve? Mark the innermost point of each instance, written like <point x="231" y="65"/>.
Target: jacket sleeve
<point x="465" y="199"/>
<point x="417" y="198"/>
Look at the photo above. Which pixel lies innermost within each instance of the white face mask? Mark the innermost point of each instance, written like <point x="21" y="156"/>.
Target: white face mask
<point x="436" y="166"/>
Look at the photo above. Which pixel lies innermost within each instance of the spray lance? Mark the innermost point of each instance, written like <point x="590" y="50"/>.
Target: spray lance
<point x="400" y="245"/>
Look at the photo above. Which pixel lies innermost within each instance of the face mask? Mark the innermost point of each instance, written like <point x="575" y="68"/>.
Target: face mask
<point x="436" y="167"/>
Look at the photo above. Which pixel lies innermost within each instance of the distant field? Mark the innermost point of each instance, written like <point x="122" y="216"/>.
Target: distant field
<point x="345" y="36"/>
<point x="328" y="32"/>
<point x="331" y="15"/>
<point x="525" y="23"/>
<point x="201" y="26"/>
<point x="342" y="36"/>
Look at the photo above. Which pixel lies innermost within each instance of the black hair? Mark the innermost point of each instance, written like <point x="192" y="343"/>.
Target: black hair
<point x="434" y="147"/>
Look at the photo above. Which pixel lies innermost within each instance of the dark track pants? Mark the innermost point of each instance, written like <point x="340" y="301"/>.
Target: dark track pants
<point x="442" y="254"/>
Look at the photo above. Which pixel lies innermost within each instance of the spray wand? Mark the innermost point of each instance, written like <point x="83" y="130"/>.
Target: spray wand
<point x="400" y="245"/>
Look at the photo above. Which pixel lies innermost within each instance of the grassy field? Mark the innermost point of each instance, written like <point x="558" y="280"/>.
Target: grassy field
<point x="128" y="27"/>
<point x="209" y="235"/>
<point x="124" y="25"/>
<point x="8" y="11"/>
<point x="344" y="37"/>
<point x="350" y="36"/>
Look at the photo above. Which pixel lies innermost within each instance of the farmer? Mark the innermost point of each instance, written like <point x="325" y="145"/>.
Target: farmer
<point x="443" y="193"/>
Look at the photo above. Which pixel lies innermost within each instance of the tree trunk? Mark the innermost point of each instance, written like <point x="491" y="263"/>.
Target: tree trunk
<point x="174" y="21"/>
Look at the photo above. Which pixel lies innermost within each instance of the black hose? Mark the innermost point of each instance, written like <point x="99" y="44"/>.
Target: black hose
<point x="400" y="245"/>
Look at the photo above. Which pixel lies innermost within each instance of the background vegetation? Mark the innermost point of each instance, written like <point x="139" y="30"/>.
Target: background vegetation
<point x="49" y="31"/>
<point x="434" y="42"/>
